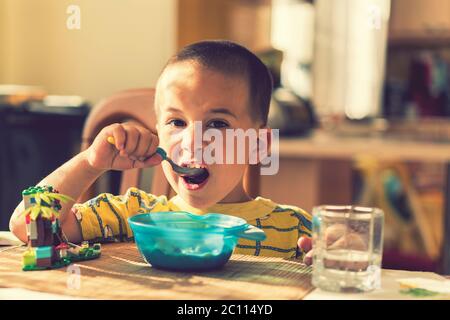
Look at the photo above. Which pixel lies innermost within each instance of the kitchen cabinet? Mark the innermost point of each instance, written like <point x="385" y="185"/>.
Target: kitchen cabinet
<point x="420" y="20"/>
<point x="244" y="21"/>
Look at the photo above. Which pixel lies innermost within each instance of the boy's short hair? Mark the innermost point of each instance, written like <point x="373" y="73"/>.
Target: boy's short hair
<point x="230" y="58"/>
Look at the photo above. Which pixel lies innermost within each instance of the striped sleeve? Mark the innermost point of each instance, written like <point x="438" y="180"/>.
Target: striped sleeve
<point x="304" y="226"/>
<point x="283" y="226"/>
<point x="104" y="218"/>
<point x="304" y="229"/>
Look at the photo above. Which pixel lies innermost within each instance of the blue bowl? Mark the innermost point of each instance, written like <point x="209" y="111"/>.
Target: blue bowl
<point x="182" y="241"/>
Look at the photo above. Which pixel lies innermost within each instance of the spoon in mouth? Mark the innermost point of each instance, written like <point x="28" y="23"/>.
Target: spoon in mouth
<point x="182" y="171"/>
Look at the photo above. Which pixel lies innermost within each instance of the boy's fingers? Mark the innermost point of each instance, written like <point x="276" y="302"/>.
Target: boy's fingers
<point x="144" y="142"/>
<point x="308" y="258"/>
<point x="335" y="232"/>
<point x="351" y="241"/>
<point x="132" y="140"/>
<point x="305" y="243"/>
<point x="152" y="147"/>
<point x="150" y="162"/>
<point x="119" y="136"/>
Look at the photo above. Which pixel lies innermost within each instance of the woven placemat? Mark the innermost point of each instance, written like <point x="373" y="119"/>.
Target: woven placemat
<point x="121" y="273"/>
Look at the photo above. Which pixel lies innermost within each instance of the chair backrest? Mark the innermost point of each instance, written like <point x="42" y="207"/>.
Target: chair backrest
<point x="137" y="105"/>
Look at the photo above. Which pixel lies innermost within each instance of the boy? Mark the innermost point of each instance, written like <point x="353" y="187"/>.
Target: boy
<point x="221" y="85"/>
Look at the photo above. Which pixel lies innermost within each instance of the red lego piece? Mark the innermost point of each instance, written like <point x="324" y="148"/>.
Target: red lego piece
<point x="44" y="262"/>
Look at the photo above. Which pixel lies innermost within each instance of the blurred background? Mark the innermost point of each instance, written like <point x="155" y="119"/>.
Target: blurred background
<point x="362" y="97"/>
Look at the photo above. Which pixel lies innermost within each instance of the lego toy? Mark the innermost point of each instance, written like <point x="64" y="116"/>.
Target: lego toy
<point x="48" y="248"/>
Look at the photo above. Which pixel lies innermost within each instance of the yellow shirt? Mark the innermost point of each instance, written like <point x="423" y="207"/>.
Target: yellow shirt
<point x="104" y="218"/>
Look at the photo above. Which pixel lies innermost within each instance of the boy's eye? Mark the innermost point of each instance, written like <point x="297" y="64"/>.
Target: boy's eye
<point x="217" y="124"/>
<point x="176" y="123"/>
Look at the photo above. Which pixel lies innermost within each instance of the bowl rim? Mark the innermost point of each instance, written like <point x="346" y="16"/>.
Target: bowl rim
<point x="205" y="231"/>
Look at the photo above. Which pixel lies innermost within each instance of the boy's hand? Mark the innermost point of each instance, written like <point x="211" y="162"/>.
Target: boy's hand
<point x="337" y="237"/>
<point x="305" y="244"/>
<point x="134" y="147"/>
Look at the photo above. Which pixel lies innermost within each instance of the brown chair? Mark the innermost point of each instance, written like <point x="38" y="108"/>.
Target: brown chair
<point x="137" y="105"/>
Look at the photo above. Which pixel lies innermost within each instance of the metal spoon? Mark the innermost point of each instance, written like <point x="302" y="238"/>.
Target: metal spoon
<point x="182" y="171"/>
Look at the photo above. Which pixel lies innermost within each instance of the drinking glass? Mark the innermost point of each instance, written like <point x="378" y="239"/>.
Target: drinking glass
<point x="347" y="246"/>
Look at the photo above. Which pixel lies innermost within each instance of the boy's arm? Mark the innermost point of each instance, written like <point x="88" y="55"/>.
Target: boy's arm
<point x="105" y="217"/>
<point x="72" y="179"/>
<point x="134" y="147"/>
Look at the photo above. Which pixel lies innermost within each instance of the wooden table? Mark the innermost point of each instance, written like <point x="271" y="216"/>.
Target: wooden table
<point x="121" y="273"/>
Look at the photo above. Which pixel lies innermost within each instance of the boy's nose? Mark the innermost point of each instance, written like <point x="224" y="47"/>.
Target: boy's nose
<point x="191" y="142"/>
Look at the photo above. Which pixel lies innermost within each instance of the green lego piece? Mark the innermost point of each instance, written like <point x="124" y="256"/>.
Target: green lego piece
<point x="29" y="258"/>
<point x="59" y="264"/>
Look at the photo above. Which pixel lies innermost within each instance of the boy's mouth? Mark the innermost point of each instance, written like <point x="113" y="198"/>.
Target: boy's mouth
<point x="197" y="181"/>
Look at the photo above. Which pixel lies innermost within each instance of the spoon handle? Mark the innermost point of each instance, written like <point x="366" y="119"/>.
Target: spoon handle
<point x="162" y="153"/>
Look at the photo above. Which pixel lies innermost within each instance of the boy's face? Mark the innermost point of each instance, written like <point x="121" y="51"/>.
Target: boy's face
<point x="189" y="93"/>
